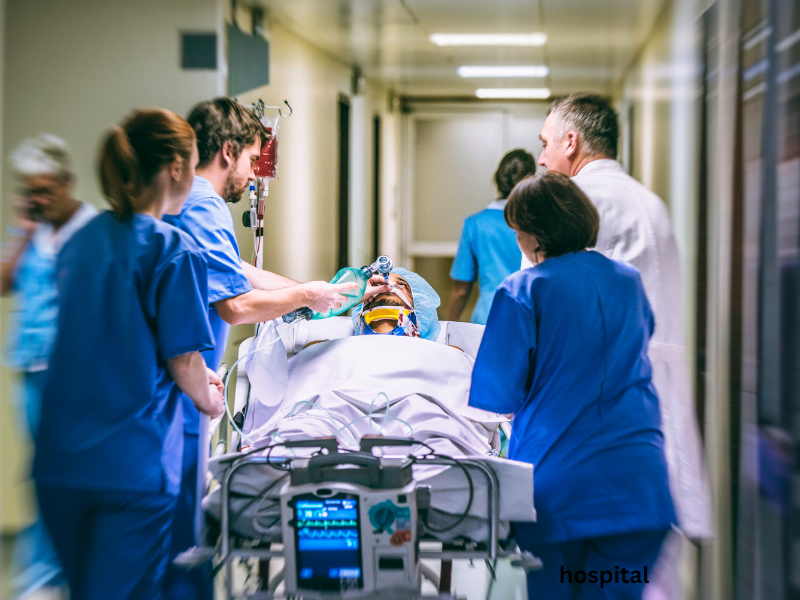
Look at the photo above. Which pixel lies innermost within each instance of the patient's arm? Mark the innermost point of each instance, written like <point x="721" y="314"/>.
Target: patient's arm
<point x="314" y="342"/>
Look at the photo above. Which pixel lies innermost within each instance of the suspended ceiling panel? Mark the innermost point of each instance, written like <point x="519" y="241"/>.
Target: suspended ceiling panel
<point x="590" y="43"/>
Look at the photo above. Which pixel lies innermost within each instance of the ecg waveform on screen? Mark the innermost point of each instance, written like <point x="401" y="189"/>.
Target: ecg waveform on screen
<point x="328" y="535"/>
<point x="326" y="524"/>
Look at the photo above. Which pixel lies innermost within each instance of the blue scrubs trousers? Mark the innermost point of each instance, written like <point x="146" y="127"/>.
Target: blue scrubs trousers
<point x="34" y="562"/>
<point x="602" y="559"/>
<point x="182" y="584"/>
<point x="111" y="544"/>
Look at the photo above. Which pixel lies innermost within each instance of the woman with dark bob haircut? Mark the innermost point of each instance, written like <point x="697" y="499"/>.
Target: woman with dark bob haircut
<point x="565" y="353"/>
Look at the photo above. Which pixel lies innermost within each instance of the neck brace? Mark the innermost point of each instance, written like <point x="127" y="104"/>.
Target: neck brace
<point x="406" y="321"/>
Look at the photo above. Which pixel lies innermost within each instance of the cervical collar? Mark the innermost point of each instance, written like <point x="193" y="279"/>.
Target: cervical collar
<point x="406" y="321"/>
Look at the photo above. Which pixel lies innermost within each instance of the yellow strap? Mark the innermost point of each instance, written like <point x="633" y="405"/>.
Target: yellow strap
<point x="384" y="313"/>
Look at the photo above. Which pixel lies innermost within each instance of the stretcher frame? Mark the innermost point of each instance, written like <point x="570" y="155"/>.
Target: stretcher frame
<point x="229" y="551"/>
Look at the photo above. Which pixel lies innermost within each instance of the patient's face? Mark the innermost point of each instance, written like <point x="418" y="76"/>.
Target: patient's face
<point x="389" y="299"/>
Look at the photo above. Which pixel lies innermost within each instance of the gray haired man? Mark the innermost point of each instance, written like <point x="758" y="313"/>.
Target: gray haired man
<point x="579" y="139"/>
<point x="45" y="216"/>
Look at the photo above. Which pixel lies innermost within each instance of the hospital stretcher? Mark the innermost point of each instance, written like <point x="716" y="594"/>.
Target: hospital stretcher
<point x="489" y="540"/>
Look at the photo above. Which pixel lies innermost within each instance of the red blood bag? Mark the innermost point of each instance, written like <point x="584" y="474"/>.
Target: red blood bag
<point x="267" y="165"/>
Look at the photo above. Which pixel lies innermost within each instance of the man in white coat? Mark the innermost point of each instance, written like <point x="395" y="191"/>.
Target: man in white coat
<point x="579" y="139"/>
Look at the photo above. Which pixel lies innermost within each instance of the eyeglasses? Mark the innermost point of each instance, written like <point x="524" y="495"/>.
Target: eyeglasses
<point x="47" y="192"/>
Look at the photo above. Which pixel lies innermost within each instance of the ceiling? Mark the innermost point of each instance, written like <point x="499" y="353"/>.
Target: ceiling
<point x="590" y="42"/>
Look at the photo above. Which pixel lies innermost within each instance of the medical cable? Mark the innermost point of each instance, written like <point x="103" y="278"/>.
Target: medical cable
<point x="372" y="407"/>
<point x="252" y="500"/>
<point x="370" y="415"/>
<point x="387" y="415"/>
<point x="327" y="414"/>
<point x="227" y="380"/>
<point x="262" y="494"/>
<point x="361" y="418"/>
<point x="275" y="466"/>
<point x="420" y="461"/>
<point x="275" y="501"/>
<point x="340" y="429"/>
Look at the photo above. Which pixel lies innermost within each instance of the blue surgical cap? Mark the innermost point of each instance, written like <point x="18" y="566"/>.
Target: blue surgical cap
<point x="426" y="301"/>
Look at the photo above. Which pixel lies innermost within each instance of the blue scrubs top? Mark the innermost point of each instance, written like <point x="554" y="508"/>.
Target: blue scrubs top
<point x="205" y="216"/>
<point x="488" y="252"/>
<point x="132" y="295"/>
<point x="565" y="350"/>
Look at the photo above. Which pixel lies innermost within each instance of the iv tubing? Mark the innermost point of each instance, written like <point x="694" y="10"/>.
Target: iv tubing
<point x="242" y="436"/>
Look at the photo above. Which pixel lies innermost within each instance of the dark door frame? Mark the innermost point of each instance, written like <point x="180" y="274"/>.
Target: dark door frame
<point x="344" y="181"/>
<point x="376" y="185"/>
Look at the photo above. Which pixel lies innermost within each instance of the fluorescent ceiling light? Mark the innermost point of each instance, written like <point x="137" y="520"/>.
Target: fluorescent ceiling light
<point x="507" y="93"/>
<point x="489" y="39"/>
<point x="519" y="71"/>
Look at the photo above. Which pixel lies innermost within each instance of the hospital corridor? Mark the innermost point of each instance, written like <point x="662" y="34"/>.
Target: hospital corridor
<point x="399" y="299"/>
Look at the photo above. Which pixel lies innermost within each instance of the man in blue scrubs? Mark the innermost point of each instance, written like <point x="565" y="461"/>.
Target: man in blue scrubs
<point x="229" y="141"/>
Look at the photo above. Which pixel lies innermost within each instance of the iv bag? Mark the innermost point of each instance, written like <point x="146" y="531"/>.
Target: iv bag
<point x="267" y="165"/>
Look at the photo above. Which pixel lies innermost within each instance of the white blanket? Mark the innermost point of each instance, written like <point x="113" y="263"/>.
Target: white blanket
<point x="334" y="388"/>
<point x="343" y="387"/>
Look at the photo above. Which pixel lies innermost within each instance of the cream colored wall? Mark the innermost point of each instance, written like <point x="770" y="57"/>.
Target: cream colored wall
<point x="662" y="86"/>
<point x="717" y="560"/>
<point x="390" y="180"/>
<point x="73" y="69"/>
<point x="6" y="441"/>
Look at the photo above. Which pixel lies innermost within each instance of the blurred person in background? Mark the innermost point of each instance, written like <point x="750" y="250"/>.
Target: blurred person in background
<point x="132" y="323"/>
<point x="45" y="216"/>
<point x="488" y="250"/>
<point x="579" y="139"/>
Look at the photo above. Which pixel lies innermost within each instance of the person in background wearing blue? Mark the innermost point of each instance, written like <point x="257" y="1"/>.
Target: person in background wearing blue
<point x="46" y="216"/>
<point x="131" y="326"/>
<point x="487" y="250"/>
<point x="565" y="352"/>
<point x="229" y="141"/>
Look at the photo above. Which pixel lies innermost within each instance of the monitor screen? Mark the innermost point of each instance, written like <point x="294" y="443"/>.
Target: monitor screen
<point x="328" y="543"/>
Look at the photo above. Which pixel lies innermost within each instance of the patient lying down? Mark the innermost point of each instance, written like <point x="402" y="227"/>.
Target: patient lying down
<point x="380" y="381"/>
<point x="391" y="378"/>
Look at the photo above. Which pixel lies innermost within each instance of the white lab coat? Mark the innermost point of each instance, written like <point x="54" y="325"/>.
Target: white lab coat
<point x="635" y="228"/>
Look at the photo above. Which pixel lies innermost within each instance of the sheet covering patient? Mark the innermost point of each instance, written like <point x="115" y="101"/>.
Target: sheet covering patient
<point x="367" y="383"/>
<point x="403" y="384"/>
